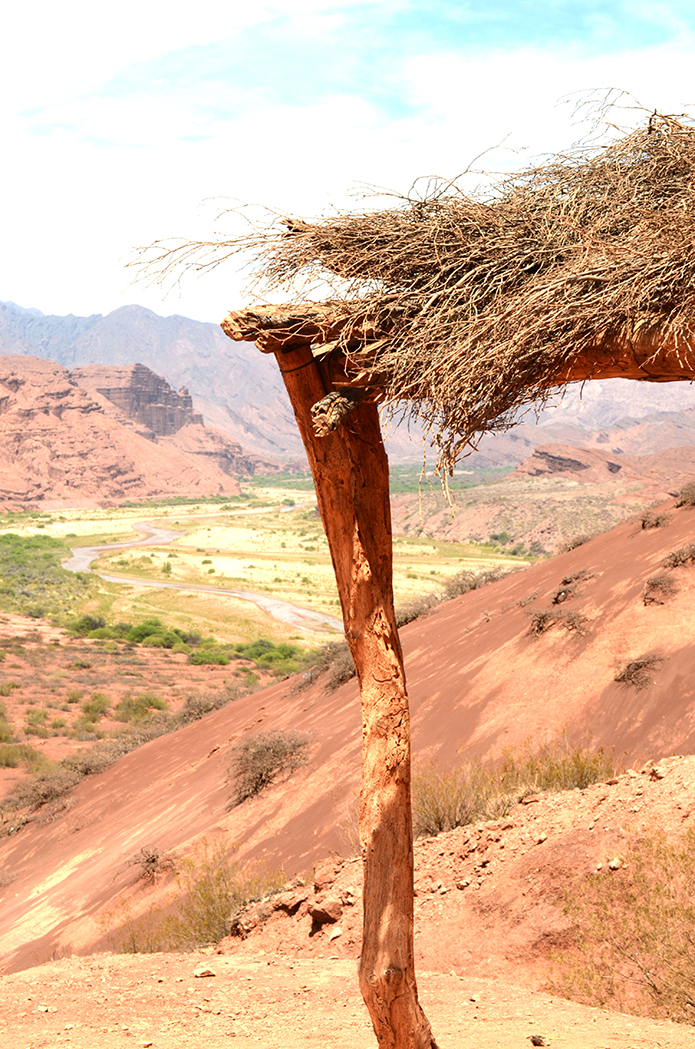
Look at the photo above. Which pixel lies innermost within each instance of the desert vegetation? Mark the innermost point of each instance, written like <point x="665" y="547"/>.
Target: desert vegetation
<point x="634" y="945"/>
<point x="636" y="672"/>
<point x="209" y="887"/>
<point x="263" y="758"/>
<point x="444" y="798"/>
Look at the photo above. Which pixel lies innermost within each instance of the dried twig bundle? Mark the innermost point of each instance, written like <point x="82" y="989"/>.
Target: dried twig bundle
<point x="468" y="309"/>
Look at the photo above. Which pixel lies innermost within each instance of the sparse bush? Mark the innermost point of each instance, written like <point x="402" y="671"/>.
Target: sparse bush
<point x="575" y="541"/>
<point x="260" y="759"/>
<point x="576" y="622"/>
<point x="48" y="784"/>
<point x="683" y="556"/>
<point x="650" y="519"/>
<point x="138" y="708"/>
<point x="634" y="948"/>
<point x="556" y="766"/>
<point x="542" y="621"/>
<point x="7" y="687"/>
<point x="415" y="608"/>
<point x="152" y="864"/>
<point x="334" y="660"/>
<point x="686" y="496"/>
<point x="636" y="671"/>
<point x="659" y="588"/>
<point x="94" y="709"/>
<point x="212" y="889"/>
<point x="444" y="799"/>
<point x="465" y="581"/>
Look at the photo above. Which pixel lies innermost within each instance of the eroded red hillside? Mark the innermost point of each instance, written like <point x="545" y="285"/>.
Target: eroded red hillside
<point x="480" y="680"/>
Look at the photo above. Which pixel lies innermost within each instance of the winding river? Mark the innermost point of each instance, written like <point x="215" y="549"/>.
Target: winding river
<point x="153" y="535"/>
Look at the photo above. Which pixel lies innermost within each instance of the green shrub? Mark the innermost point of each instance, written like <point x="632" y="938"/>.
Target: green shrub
<point x="138" y="633"/>
<point x="93" y="709"/>
<point x="209" y="656"/>
<point x="138" y="708"/>
<point x="6" y="731"/>
<point x="7" y="687"/>
<point x="261" y="759"/>
<point x="12" y="755"/>
<point x="103" y="633"/>
<point x="634" y="932"/>
<point x="75" y="695"/>
<point x="83" y="625"/>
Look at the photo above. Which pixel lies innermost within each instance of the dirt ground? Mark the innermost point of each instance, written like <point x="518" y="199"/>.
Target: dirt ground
<point x="157" y="1000"/>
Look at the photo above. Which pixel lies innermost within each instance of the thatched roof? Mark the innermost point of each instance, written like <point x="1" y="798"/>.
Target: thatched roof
<point x="469" y="309"/>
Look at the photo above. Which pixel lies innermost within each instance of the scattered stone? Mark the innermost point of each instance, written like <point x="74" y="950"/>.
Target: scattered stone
<point x="541" y="838"/>
<point x="537" y="1039"/>
<point x="335" y="932"/>
<point x="615" y="864"/>
<point x="532" y="799"/>
<point x="203" y="970"/>
<point x="325" y="911"/>
<point x="658" y="772"/>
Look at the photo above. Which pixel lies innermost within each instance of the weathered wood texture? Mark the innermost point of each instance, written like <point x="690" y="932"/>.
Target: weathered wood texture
<point x="350" y="470"/>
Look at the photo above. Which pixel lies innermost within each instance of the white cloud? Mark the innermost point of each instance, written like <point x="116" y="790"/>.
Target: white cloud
<point x="88" y="176"/>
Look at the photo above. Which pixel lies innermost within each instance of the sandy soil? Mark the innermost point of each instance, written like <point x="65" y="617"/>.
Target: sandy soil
<point x="158" y="1001"/>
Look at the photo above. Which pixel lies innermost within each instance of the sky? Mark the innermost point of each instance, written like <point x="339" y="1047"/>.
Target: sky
<point x="127" y="122"/>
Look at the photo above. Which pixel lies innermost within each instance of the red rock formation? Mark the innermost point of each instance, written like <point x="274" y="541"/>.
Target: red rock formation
<point x="60" y="446"/>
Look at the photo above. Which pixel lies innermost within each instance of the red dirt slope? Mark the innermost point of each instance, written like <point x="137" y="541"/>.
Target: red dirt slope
<point x="479" y="680"/>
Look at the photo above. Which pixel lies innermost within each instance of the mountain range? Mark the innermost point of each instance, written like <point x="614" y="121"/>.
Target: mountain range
<point x="239" y="390"/>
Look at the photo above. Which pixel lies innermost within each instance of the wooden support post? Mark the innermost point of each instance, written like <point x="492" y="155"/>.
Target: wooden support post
<point x="350" y="470"/>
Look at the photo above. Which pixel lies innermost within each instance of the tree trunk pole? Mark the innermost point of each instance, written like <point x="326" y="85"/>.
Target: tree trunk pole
<point x="350" y="470"/>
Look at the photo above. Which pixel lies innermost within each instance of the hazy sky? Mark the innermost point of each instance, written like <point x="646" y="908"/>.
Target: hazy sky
<point x="130" y="121"/>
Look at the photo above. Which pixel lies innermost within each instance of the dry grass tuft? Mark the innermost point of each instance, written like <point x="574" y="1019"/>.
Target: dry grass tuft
<point x="470" y="791"/>
<point x="634" y="925"/>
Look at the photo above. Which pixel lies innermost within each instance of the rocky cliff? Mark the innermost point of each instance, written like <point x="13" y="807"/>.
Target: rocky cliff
<point x="62" y="446"/>
<point x="141" y="395"/>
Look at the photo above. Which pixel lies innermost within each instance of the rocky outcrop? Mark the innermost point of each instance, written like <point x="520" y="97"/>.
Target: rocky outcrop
<point x="62" y="446"/>
<point x="141" y="395"/>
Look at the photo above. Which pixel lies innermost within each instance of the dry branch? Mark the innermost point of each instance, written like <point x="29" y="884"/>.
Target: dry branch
<point x="471" y="309"/>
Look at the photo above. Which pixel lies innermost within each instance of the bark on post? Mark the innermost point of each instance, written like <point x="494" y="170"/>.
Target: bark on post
<point x="350" y="470"/>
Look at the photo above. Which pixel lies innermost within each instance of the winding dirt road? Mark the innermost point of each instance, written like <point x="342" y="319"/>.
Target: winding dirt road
<point x="283" y="611"/>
